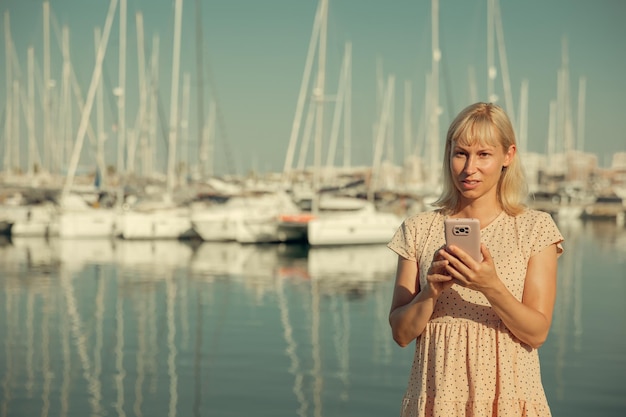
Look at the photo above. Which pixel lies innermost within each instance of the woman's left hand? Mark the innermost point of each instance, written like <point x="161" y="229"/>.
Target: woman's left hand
<point x="469" y="273"/>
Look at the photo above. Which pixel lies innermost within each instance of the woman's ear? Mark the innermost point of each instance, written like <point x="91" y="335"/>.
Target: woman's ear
<point x="509" y="155"/>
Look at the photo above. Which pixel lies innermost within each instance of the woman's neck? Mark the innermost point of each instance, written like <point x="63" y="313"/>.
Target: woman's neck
<point x="485" y="213"/>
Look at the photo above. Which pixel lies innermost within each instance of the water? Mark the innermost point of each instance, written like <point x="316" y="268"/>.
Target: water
<point x="95" y="328"/>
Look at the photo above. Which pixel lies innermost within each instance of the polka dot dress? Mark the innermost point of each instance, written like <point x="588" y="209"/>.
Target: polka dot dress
<point x="467" y="363"/>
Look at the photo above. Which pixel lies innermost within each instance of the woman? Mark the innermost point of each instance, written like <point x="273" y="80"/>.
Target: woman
<point x="477" y="325"/>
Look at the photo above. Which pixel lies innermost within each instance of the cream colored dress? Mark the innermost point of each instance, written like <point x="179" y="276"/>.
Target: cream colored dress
<point x="467" y="363"/>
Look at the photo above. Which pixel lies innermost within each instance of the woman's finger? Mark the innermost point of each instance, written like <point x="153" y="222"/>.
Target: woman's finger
<point x="439" y="278"/>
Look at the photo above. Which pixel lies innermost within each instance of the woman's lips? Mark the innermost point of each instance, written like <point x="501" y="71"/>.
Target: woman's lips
<point x="470" y="184"/>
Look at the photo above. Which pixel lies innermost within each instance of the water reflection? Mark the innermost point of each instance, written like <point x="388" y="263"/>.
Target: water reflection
<point x="114" y="327"/>
<point x="566" y="319"/>
<point x="593" y="263"/>
<point x="101" y="327"/>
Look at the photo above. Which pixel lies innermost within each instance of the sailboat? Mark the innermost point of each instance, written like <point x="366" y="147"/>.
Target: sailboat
<point x="161" y="219"/>
<point x="367" y="224"/>
<point x="24" y="219"/>
<point x="359" y="222"/>
<point x="158" y="220"/>
<point x="76" y="218"/>
<point x="356" y="221"/>
<point x="245" y="219"/>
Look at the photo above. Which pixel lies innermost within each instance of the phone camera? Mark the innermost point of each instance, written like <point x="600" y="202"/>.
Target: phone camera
<point x="461" y="230"/>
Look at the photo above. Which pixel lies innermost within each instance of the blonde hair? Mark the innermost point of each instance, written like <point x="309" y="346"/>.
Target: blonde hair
<point x="487" y="124"/>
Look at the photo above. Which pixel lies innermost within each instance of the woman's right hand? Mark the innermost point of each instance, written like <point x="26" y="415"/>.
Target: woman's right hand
<point x="413" y="304"/>
<point x="438" y="278"/>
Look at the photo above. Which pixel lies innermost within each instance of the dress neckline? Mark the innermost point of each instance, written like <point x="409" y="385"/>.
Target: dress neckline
<point x="492" y="222"/>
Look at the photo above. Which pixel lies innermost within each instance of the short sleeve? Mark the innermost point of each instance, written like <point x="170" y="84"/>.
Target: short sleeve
<point x="403" y="242"/>
<point x="545" y="233"/>
<point x="409" y="239"/>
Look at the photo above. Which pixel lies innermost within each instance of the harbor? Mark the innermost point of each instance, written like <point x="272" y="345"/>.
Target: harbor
<point x="196" y="196"/>
<point x="264" y="211"/>
<point x="75" y="167"/>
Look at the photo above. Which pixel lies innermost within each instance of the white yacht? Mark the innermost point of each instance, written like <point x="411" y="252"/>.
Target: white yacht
<point x="360" y="222"/>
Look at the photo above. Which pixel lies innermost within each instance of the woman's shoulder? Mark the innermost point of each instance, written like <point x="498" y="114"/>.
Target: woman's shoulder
<point x="532" y="216"/>
<point x="412" y="234"/>
<point x="538" y="229"/>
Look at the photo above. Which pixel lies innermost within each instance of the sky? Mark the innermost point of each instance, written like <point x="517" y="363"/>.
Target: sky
<point x="254" y="60"/>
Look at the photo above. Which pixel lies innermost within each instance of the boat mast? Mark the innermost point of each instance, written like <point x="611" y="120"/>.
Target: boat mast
<point x="184" y="126"/>
<point x="15" y="147"/>
<point x="506" y="82"/>
<point x="171" y="151"/>
<point x="32" y="147"/>
<point x="306" y="138"/>
<point x="433" y="133"/>
<point x="492" y="71"/>
<point x="202" y="138"/>
<point x="318" y="99"/>
<point x="552" y="137"/>
<point x="347" y="117"/>
<point x="380" y="92"/>
<point x="295" y="127"/>
<point x="101" y="136"/>
<point x="208" y="135"/>
<point x="408" y="127"/>
<point x="121" y="93"/>
<point x="47" y="85"/>
<point x="150" y="150"/>
<point x="382" y="128"/>
<point x="564" y="105"/>
<point x="580" y="130"/>
<point x="340" y="105"/>
<point x="522" y="140"/>
<point x="65" y="107"/>
<point x="8" y="131"/>
<point x="86" y="110"/>
<point x="141" y="121"/>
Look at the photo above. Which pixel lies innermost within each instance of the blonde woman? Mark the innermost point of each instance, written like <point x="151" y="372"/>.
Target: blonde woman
<point x="477" y="325"/>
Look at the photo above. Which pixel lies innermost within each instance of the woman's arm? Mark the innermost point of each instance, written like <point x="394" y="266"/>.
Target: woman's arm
<point x="411" y="307"/>
<point x="530" y="319"/>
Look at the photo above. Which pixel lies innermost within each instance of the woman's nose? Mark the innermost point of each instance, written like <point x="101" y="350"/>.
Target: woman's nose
<point x="470" y="165"/>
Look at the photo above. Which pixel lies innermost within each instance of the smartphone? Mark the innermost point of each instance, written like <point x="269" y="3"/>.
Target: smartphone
<point x="464" y="233"/>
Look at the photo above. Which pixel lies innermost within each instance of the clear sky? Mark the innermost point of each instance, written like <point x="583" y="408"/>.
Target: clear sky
<point x="255" y="52"/>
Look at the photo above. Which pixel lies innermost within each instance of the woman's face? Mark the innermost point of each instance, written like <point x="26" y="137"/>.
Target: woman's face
<point x="476" y="169"/>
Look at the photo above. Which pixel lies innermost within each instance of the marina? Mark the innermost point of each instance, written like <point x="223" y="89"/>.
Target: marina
<point x="256" y="214"/>
<point x="91" y="173"/>
<point x="195" y="197"/>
